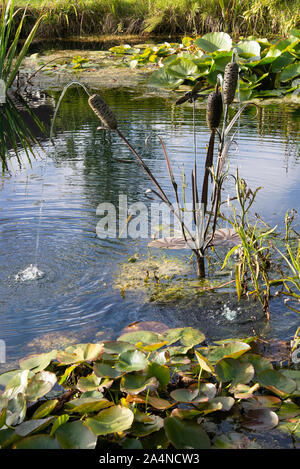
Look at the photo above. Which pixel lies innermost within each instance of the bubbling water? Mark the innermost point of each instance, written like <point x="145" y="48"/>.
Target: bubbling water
<point x="30" y="273"/>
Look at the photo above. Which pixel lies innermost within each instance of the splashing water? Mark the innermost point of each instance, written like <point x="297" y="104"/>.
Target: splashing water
<point x="30" y="273"/>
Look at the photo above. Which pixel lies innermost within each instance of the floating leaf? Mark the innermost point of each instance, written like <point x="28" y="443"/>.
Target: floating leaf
<point x="58" y="422"/>
<point x="231" y="440"/>
<point x="214" y="41"/>
<point x="230" y="369"/>
<point x="45" y="409"/>
<point x="160" y="372"/>
<point x="114" y="419"/>
<point x="117" y="347"/>
<point x="88" y="383"/>
<point x="186" y="435"/>
<point x="76" y="435"/>
<point x="80" y="353"/>
<point x="276" y="382"/>
<point x="260" y="419"/>
<point x="229" y="350"/>
<point x="183" y="68"/>
<point x="31" y="426"/>
<point x="248" y="49"/>
<point x="38" y="362"/>
<point x="86" y="405"/>
<point x="147" y="337"/>
<point x="37" y="442"/>
<point x="134" y="383"/>
<point x="290" y="72"/>
<point x="40" y="384"/>
<point x="204" y="363"/>
<point x="288" y="409"/>
<point x="141" y="429"/>
<point x="258" y="402"/>
<point x="163" y="77"/>
<point x="104" y="370"/>
<point x="132" y="361"/>
<point x="159" y="403"/>
<point x="188" y="395"/>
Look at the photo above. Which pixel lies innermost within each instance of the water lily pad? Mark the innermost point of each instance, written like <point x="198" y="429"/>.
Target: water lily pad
<point x="183" y="68"/>
<point x="235" y="371"/>
<point x="88" y="383"/>
<point x="260" y="419"/>
<point x="277" y="382"/>
<point x="229" y="350"/>
<point x="86" y="405"/>
<point x="160" y="372"/>
<point x="165" y="78"/>
<point x="142" y="429"/>
<point x="134" y="383"/>
<point x="290" y="72"/>
<point x="204" y="363"/>
<point x="40" y="384"/>
<point x="45" y="409"/>
<point x="288" y="409"/>
<point x="114" y="419"/>
<point x="248" y="49"/>
<point x="79" y="353"/>
<point x="76" y="435"/>
<point x="37" y="442"/>
<point x="105" y="370"/>
<point x="38" y="362"/>
<point x="31" y="426"/>
<point x="231" y="440"/>
<point x="133" y="360"/>
<point x="146" y="337"/>
<point x="214" y="41"/>
<point x="188" y="395"/>
<point x="263" y="401"/>
<point x="186" y="435"/>
<point x="159" y="403"/>
<point x="117" y="347"/>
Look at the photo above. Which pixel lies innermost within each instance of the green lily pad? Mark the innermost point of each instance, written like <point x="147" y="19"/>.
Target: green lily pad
<point x="160" y="372"/>
<point x="32" y="426"/>
<point x="214" y="41"/>
<point x="133" y="360"/>
<point x="88" y="383"/>
<point x="230" y="350"/>
<point x="134" y="383"/>
<point x="38" y="362"/>
<point x="231" y="440"/>
<point x="235" y="371"/>
<point x="112" y="420"/>
<point x="117" y="347"/>
<point x="104" y="370"/>
<point x="188" y="395"/>
<point x="142" y="429"/>
<point x="37" y="442"/>
<point x="186" y="435"/>
<point x="76" y="435"/>
<point x="183" y="68"/>
<point x="163" y="77"/>
<point x="204" y="363"/>
<point x="86" y="405"/>
<point x="40" y="384"/>
<point x="79" y="353"/>
<point x="290" y="72"/>
<point x="146" y="337"/>
<point x="248" y="49"/>
<point x="45" y="409"/>
<point x="276" y="382"/>
<point x="260" y="419"/>
<point x="289" y="409"/>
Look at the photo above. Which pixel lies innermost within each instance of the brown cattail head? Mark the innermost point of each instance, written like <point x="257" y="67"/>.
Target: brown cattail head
<point x="214" y="109"/>
<point x="231" y="74"/>
<point x="103" y="111"/>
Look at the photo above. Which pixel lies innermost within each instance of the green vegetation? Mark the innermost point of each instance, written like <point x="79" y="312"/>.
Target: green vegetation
<point x="83" y="17"/>
<point x="267" y="68"/>
<point x="149" y="390"/>
<point x="13" y="129"/>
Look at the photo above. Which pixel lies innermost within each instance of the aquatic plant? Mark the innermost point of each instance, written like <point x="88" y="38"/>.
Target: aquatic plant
<point x="268" y="68"/>
<point x="13" y="130"/>
<point x="149" y="389"/>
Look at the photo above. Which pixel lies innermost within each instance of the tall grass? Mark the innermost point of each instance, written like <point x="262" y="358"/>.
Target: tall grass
<point x="79" y="17"/>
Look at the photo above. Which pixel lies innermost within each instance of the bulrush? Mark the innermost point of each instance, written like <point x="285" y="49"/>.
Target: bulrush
<point x="231" y="74"/>
<point x="214" y="109"/>
<point x="103" y="111"/>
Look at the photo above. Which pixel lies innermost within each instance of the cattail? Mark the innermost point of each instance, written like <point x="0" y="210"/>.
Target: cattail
<point x="231" y="74"/>
<point x="214" y="109"/>
<point x="103" y="111"/>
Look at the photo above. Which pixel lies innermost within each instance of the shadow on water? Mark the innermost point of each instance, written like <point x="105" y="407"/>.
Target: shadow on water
<point x="78" y="297"/>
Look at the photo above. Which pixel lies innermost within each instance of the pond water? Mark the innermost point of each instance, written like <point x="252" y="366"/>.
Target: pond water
<point x="48" y="214"/>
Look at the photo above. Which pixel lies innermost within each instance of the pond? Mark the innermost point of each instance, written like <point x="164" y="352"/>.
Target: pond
<point x="48" y="214"/>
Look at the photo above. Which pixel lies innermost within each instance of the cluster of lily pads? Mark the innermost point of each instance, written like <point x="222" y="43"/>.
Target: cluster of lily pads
<point x="267" y="68"/>
<point x="148" y="390"/>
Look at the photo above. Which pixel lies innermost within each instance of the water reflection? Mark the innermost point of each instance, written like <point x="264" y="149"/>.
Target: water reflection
<point x="76" y="292"/>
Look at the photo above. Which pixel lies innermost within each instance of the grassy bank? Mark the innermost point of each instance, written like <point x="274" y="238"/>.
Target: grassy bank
<point x="85" y="17"/>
